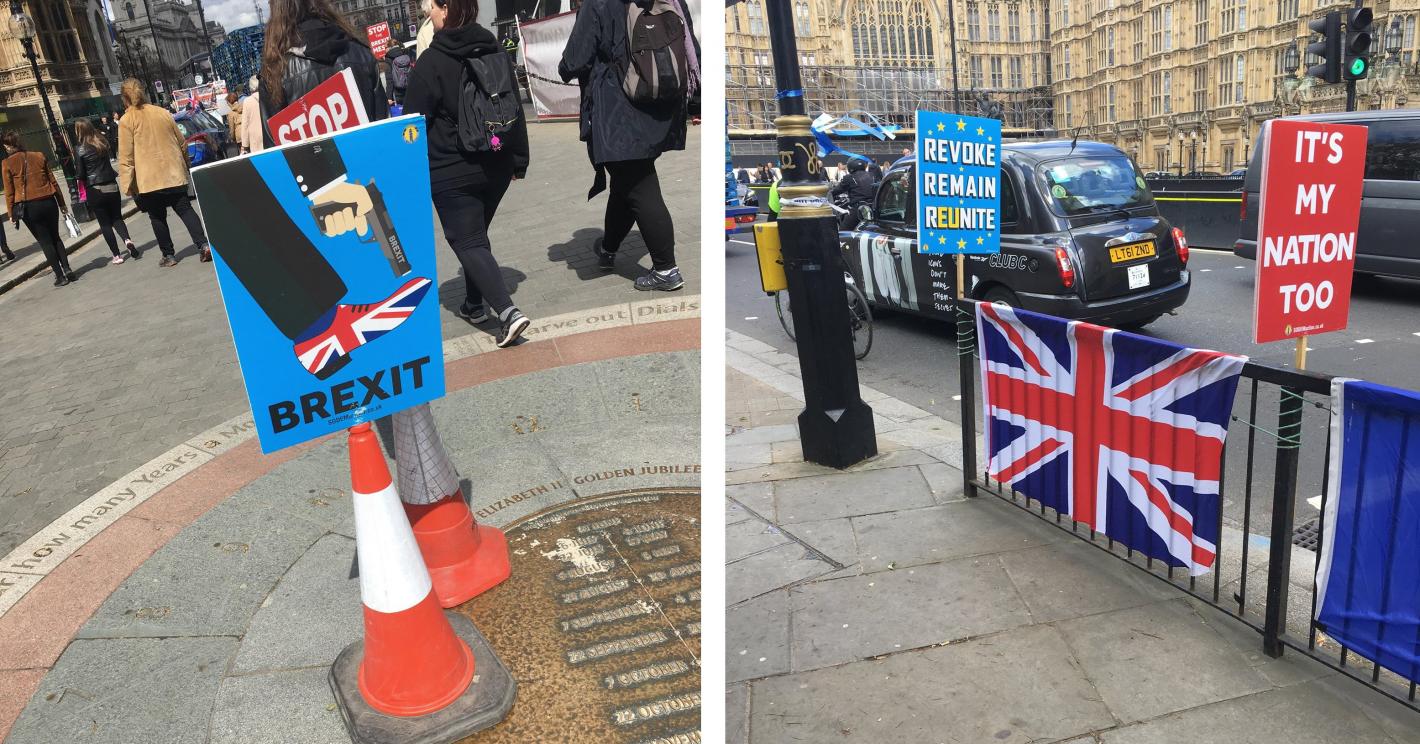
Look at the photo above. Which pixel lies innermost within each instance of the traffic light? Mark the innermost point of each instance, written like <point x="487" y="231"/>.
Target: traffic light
<point x="1328" y="48"/>
<point x="1358" y="43"/>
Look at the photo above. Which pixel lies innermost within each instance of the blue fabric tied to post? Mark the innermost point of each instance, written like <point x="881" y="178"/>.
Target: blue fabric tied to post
<point x="1368" y="580"/>
<point x="849" y="125"/>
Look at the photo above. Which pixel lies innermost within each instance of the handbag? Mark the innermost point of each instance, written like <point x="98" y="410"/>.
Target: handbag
<point x="70" y="223"/>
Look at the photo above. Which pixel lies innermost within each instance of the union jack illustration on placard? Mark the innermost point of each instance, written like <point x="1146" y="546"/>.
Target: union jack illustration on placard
<point x="347" y="327"/>
<point x="1121" y="432"/>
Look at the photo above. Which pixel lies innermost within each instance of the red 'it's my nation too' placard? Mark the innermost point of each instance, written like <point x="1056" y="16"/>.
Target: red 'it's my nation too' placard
<point x="1312" y="176"/>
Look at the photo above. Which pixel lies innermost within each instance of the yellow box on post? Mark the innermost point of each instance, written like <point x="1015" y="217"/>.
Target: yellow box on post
<point x="771" y="257"/>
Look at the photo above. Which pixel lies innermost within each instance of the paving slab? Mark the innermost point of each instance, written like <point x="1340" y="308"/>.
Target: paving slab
<point x="757" y="496"/>
<point x="737" y="714"/>
<point x="855" y="618"/>
<point x="949" y="694"/>
<point x="121" y="691"/>
<point x="311" y="615"/>
<point x="209" y="579"/>
<point x="1137" y="658"/>
<point x="291" y="707"/>
<point x="1071" y="579"/>
<point x="1303" y="714"/>
<point x="751" y="536"/>
<point x="772" y="569"/>
<point x="910" y="537"/>
<point x="850" y="494"/>
<point x="757" y="637"/>
<point x="833" y="538"/>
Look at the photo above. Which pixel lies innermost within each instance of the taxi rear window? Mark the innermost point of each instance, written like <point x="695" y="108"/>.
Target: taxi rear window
<point x="1085" y="185"/>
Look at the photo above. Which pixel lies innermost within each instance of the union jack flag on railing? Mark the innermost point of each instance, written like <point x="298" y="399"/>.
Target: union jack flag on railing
<point x="1120" y="432"/>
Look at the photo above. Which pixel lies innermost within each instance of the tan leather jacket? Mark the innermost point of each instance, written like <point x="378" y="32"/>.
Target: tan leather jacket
<point x="27" y="177"/>
<point x="151" y="153"/>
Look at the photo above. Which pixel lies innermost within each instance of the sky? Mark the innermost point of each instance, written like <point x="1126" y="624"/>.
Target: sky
<point x="233" y="14"/>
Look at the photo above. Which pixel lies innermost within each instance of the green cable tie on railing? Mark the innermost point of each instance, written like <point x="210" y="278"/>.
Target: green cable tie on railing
<point x="1284" y="441"/>
<point x="966" y="331"/>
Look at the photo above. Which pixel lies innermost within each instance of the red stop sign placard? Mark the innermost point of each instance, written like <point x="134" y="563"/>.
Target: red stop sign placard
<point x="330" y="107"/>
<point x="1312" y="176"/>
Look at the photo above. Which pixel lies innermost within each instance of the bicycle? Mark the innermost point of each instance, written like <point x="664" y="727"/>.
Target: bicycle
<point x="860" y="316"/>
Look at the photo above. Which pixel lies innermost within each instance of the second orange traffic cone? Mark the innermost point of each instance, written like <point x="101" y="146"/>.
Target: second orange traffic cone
<point x="464" y="558"/>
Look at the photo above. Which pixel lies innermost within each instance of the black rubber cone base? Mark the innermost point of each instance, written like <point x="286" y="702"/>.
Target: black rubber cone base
<point x="485" y="703"/>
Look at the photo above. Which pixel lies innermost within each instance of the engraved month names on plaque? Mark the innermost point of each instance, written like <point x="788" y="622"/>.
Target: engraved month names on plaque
<point x="600" y="621"/>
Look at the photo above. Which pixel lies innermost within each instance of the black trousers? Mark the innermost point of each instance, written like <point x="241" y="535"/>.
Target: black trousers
<point x="635" y="198"/>
<point x="42" y="218"/>
<point x="466" y="209"/>
<point x="157" y="204"/>
<point x="107" y="206"/>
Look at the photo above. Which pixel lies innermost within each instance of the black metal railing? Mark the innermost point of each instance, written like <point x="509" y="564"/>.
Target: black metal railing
<point x="1267" y="463"/>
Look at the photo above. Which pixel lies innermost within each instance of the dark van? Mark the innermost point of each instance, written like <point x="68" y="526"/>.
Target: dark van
<point x="1390" y="201"/>
<point x="1081" y="238"/>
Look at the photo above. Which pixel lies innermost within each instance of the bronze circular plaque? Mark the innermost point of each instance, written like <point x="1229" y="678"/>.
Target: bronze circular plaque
<point x="600" y="621"/>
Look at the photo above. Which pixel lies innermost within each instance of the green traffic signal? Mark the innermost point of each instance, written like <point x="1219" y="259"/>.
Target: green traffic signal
<point x="1358" y="67"/>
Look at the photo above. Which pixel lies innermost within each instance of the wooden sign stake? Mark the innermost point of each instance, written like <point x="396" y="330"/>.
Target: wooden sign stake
<point x="1301" y="352"/>
<point x="961" y="275"/>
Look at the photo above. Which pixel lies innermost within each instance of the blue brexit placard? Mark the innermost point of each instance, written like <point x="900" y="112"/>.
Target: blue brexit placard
<point x="324" y="252"/>
<point x="958" y="175"/>
<point x="1368" y="578"/>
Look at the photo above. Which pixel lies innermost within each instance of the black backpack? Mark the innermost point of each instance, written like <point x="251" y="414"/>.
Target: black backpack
<point x="656" y="65"/>
<point x="489" y="106"/>
<point x="399" y="71"/>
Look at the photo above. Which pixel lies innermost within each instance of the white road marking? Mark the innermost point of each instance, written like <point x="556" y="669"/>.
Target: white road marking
<point x="1240" y="267"/>
<point x="751" y="317"/>
<point x="1365" y="340"/>
<point x="741" y="242"/>
<point x="1315" y="501"/>
<point x="956" y="397"/>
<point x="1205" y="270"/>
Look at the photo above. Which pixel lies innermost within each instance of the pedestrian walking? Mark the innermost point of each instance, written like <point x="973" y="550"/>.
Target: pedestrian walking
<point x="636" y="96"/>
<point x="252" y="123"/>
<point x="32" y="196"/>
<point x="234" y="121"/>
<point x="95" y="170"/>
<point x="401" y="62"/>
<point x="152" y="168"/>
<point x="470" y="171"/>
<point x="307" y="41"/>
<point x="6" y="255"/>
<point x="108" y="127"/>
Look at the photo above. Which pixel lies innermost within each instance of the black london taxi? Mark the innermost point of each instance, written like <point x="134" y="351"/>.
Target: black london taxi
<point x="1081" y="238"/>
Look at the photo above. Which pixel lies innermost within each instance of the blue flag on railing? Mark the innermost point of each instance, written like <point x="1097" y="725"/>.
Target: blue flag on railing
<point x="1368" y="581"/>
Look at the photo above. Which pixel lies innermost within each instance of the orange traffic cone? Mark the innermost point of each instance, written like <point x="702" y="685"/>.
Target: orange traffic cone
<point x="465" y="559"/>
<point x="413" y="662"/>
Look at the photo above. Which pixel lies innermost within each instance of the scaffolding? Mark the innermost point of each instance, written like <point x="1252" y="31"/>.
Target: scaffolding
<point x="893" y="94"/>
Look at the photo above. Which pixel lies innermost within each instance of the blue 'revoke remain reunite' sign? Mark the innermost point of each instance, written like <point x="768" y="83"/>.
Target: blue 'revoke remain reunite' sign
<point x="324" y="252"/>
<point x="958" y="180"/>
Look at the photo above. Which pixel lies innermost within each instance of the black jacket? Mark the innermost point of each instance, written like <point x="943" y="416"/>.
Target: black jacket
<point x="327" y="50"/>
<point x="435" y="85"/>
<point x="859" y="186"/>
<point x="93" y="167"/>
<point x="612" y="126"/>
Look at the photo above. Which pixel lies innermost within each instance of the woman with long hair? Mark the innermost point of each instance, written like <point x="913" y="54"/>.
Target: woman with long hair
<point x="306" y="42"/>
<point x="92" y="166"/>
<point x="467" y="186"/>
<point x="33" y="196"/>
<point x="152" y="168"/>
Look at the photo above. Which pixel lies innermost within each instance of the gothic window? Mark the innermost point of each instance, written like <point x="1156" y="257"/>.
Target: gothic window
<point x="973" y="22"/>
<point x="756" y="17"/>
<point x="892" y="33"/>
<point x="993" y="23"/>
<point x="801" y="18"/>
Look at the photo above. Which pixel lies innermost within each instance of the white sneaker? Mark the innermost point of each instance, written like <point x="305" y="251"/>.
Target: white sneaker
<point x="117" y="259"/>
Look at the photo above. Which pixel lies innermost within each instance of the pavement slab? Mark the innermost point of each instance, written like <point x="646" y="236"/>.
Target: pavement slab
<point x="911" y="537"/>
<point x="952" y="693"/>
<point x="125" y="690"/>
<point x="854" y="618"/>
<point x="1134" y="656"/>
<point x="850" y="494"/>
<point x="289" y="707"/>
<point x="757" y="637"/>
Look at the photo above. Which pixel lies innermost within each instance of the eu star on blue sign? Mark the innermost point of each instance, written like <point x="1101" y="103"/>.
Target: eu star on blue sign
<point x="958" y="179"/>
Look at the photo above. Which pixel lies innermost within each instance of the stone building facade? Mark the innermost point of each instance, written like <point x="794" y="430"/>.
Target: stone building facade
<point x="74" y="57"/>
<point x="1182" y="85"/>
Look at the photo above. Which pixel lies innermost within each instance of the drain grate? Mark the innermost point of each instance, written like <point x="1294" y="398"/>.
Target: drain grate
<point x="1306" y="534"/>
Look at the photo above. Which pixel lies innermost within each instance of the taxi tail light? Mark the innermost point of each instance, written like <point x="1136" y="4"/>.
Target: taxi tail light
<point x="1242" y="208"/>
<point x="1180" y="243"/>
<point x="1067" y="269"/>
